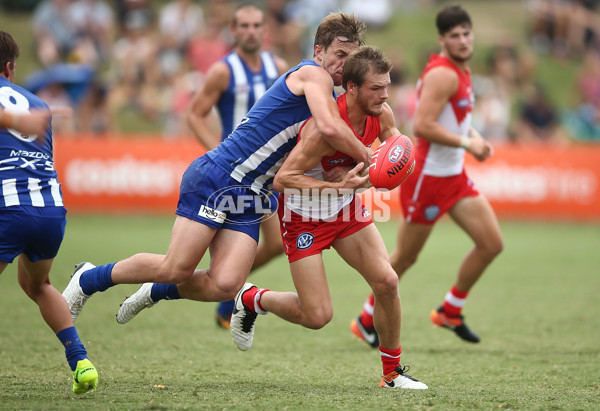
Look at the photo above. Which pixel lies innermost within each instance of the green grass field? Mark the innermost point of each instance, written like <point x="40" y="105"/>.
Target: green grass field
<point x="535" y="310"/>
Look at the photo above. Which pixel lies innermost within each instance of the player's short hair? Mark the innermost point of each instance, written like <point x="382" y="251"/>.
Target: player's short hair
<point x="244" y="6"/>
<point x="9" y="49"/>
<point x="361" y="61"/>
<point x="450" y="17"/>
<point x="340" y="24"/>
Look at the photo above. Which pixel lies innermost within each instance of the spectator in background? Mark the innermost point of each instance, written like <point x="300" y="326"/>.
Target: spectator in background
<point x="403" y="96"/>
<point x="583" y="26"/>
<point x="55" y="95"/>
<point x="491" y="113"/>
<point x="584" y="121"/>
<point x="304" y="17"/>
<point x="94" y="21"/>
<point x="548" y="26"/>
<point x="179" y="21"/>
<point x="284" y="34"/>
<point x="538" y="121"/>
<point x="93" y="113"/>
<point x="55" y="32"/>
<point x="136" y="72"/>
<point x="376" y="13"/>
<point x="206" y="47"/>
<point x="128" y="10"/>
<point x="219" y="12"/>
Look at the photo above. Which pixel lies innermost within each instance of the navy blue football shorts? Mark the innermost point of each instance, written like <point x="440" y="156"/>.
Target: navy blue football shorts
<point x="36" y="232"/>
<point x="211" y="197"/>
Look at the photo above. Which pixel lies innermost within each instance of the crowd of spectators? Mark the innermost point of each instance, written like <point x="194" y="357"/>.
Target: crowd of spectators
<point x="149" y="57"/>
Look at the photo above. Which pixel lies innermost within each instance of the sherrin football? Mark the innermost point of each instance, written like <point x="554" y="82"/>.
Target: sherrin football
<point x="392" y="162"/>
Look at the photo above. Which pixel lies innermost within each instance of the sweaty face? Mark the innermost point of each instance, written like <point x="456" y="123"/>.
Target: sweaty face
<point x="373" y="93"/>
<point x="333" y="58"/>
<point x="249" y="29"/>
<point x="458" y="43"/>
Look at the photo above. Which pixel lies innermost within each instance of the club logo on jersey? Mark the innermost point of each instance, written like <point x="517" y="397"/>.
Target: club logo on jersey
<point x="239" y="200"/>
<point x="212" y="214"/>
<point x="431" y="212"/>
<point x="337" y="161"/>
<point x="396" y="153"/>
<point x="304" y="241"/>
<point x="463" y="103"/>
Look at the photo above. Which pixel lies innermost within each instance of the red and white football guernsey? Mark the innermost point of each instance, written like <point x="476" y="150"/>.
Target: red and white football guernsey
<point x="439" y="180"/>
<point x="310" y="224"/>
<point x="327" y="206"/>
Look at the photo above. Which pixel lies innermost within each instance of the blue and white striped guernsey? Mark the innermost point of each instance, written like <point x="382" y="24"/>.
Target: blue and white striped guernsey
<point x="27" y="175"/>
<point x="245" y="88"/>
<point x="255" y="150"/>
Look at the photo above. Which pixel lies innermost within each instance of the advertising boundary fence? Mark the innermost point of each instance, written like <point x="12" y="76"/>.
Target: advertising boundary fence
<point x="116" y="175"/>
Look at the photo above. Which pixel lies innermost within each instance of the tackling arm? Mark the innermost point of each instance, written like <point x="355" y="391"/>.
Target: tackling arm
<point x="317" y="86"/>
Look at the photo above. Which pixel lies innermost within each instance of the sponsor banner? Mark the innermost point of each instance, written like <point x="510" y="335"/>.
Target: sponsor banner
<point x="541" y="182"/>
<point x="116" y="175"/>
<point x="532" y="183"/>
<point x="143" y="175"/>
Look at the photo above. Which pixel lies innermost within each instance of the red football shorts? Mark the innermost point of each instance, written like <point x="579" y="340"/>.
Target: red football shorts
<point x="426" y="198"/>
<point x="309" y="237"/>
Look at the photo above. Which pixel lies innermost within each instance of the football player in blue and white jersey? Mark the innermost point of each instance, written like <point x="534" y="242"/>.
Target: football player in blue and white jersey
<point x="225" y="193"/>
<point x="32" y="215"/>
<point x="233" y="85"/>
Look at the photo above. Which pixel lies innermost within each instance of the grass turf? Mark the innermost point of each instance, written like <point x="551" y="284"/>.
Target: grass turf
<point x="534" y="309"/>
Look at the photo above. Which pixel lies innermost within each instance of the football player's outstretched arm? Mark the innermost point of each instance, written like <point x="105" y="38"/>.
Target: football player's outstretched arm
<point x="34" y="122"/>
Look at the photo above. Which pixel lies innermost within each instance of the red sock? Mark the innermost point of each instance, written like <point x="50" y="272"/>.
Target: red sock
<point x="258" y="307"/>
<point x="390" y="359"/>
<point x="454" y="302"/>
<point x="366" y="316"/>
<point x="251" y="299"/>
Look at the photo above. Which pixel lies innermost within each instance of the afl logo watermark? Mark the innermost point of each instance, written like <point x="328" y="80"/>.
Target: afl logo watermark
<point x="241" y="200"/>
<point x="396" y="153"/>
<point x="304" y="241"/>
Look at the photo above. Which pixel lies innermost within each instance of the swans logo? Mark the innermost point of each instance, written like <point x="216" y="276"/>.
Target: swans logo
<point x="304" y="241"/>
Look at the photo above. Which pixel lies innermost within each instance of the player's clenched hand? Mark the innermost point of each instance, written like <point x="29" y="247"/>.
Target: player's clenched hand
<point x="479" y="148"/>
<point x="354" y="180"/>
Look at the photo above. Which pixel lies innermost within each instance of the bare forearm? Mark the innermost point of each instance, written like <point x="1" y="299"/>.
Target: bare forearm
<point x="202" y="132"/>
<point x="301" y="182"/>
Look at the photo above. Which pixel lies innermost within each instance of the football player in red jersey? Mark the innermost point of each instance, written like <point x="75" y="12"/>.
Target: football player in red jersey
<point x="439" y="183"/>
<point x="317" y="214"/>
